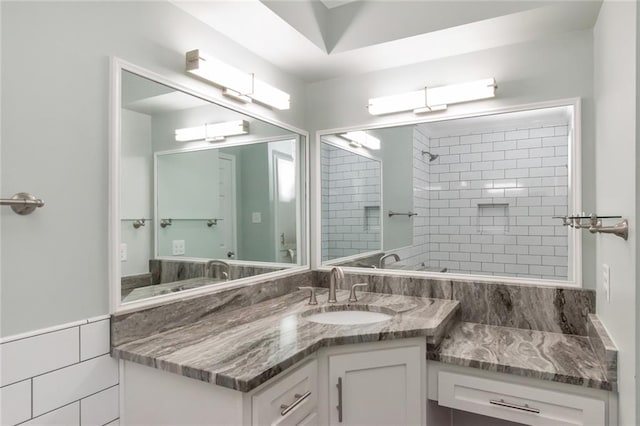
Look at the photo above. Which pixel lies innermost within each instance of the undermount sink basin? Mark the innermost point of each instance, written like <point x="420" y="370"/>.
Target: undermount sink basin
<point x="347" y="317"/>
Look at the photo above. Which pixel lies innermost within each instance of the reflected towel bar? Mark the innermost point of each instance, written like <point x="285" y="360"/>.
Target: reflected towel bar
<point x="22" y="203"/>
<point x="392" y="213"/>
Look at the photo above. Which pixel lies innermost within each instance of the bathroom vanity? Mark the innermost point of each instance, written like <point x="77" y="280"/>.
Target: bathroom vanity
<point x="271" y="363"/>
<point x="268" y="364"/>
<point x="374" y="383"/>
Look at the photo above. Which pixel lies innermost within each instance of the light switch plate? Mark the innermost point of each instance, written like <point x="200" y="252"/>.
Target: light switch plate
<point x="123" y="252"/>
<point x="178" y="247"/>
<point x="256" y="217"/>
<point x="606" y="281"/>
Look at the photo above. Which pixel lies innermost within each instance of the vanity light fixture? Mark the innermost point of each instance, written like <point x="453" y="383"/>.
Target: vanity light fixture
<point x="432" y="99"/>
<point x="360" y="138"/>
<point x="213" y="132"/>
<point x="237" y="84"/>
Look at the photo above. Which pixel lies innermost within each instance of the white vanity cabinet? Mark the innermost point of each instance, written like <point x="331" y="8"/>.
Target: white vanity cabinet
<point x="377" y="387"/>
<point x="383" y="383"/>
<point x="291" y="400"/>
<point x="155" y="397"/>
<point x="519" y="399"/>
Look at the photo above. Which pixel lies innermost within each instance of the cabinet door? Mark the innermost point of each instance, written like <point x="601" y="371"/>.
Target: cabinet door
<point x="381" y="387"/>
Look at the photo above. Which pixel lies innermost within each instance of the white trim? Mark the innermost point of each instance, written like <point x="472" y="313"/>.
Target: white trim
<point x="447" y="276"/>
<point x="113" y="258"/>
<point x="575" y="178"/>
<point x="52" y="329"/>
<point x="118" y="65"/>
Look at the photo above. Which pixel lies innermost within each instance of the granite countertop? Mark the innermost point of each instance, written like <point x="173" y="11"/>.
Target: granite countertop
<point x="245" y="347"/>
<point x="541" y="355"/>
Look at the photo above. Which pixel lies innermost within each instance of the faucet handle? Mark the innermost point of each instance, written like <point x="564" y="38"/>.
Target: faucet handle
<point x="312" y="295"/>
<point x="352" y="295"/>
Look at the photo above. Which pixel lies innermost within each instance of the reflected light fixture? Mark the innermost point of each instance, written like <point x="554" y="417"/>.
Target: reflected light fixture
<point x="432" y="99"/>
<point x="237" y="84"/>
<point x="360" y="138"/>
<point x="213" y="132"/>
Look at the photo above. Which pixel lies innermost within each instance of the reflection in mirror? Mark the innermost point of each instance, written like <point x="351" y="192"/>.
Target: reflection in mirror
<point x="466" y="196"/>
<point x="351" y="200"/>
<point x="208" y="195"/>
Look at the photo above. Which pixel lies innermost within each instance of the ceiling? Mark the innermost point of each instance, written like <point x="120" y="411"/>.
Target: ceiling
<point x="318" y="40"/>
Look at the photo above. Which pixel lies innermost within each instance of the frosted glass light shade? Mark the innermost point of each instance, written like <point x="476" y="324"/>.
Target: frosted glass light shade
<point x="212" y="132"/>
<point x="433" y="98"/>
<point x="238" y="84"/>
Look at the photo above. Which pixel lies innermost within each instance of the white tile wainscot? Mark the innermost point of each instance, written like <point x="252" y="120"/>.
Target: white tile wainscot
<point x="60" y="375"/>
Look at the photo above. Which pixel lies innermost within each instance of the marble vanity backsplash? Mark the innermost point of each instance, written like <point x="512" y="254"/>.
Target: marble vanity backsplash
<point x="145" y="322"/>
<point x="604" y="348"/>
<point x="131" y="282"/>
<point x="166" y="271"/>
<point x="552" y="309"/>
<point x="169" y="271"/>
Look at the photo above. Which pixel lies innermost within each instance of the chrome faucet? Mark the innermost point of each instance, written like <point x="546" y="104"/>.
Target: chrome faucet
<point x="225" y="274"/>
<point x="336" y="274"/>
<point x="385" y="257"/>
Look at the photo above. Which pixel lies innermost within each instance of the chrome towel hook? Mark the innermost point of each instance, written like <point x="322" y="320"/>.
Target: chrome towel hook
<point x="22" y="203"/>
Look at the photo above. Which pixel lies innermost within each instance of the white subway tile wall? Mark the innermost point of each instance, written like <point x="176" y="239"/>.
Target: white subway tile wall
<point x="64" y="376"/>
<point x="351" y="199"/>
<point x="492" y="196"/>
<point x="418" y="255"/>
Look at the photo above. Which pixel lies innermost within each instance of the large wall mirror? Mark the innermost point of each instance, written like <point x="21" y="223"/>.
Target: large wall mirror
<point x="207" y="195"/>
<point x="457" y="197"/>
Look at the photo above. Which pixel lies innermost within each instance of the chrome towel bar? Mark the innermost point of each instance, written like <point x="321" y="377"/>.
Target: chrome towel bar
<point x="22" y="203"/>
<point x="392" y="213"/>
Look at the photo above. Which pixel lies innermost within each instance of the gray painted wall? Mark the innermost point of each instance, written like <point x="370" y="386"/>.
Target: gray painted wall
<point x="55" y="94"/>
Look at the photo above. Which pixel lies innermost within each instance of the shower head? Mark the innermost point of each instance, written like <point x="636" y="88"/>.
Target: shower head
<point x="431" y="156"/>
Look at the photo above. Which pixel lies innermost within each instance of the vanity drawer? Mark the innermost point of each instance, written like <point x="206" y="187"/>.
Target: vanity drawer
<point x="288" y="400"/>
<point x="518" y="403"/>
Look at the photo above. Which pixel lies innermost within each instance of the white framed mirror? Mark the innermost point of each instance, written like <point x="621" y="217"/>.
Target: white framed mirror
<point x="471" y="197"/>
<point x="203" y="195"/>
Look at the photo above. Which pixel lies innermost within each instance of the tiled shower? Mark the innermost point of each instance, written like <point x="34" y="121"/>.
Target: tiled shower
<point x="351" y="194"/>
<point x="492" y="197"/>
<point x="485" y="193"/>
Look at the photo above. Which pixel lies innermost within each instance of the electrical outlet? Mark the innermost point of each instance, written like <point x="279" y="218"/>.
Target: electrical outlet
<point x="178" y="247"/>
<point x="123" y="252"/>
<point x="256" y="217"/>
<point x="606" y="281"/>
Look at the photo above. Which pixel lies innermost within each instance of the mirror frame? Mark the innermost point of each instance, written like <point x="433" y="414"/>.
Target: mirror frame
<point x="117" y="66"/>
<point x="574" y="182"/>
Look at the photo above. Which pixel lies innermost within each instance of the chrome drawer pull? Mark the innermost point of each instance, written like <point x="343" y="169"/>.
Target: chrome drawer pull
<point x="339" y="406"/>
<point x="299" y="398"/>
<point x="524" y="407"/>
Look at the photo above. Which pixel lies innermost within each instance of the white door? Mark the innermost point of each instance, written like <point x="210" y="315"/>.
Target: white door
<point x="376" y="388"/>
<point x="227" y="193"/>
<point x="285" y="207"/>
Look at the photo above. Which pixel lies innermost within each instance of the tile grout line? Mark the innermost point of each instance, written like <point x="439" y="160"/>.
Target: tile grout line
<point x="67" y="404"/>
<point x="58" y="369"/>
<point x="47" y="412"/>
